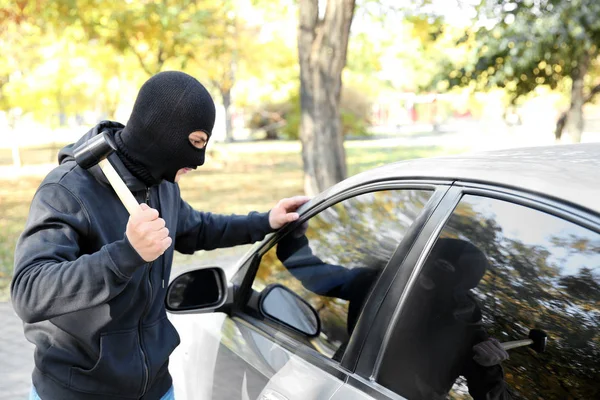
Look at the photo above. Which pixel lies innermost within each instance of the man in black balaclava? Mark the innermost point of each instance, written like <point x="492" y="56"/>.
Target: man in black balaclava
<point x="89" y="280"/>
<point x="444" y="325"/>
<point x="155" y="145"/>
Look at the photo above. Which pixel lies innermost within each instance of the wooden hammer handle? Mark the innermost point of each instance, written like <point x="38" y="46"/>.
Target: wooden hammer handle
<point x="516" y="343"/>
<point x="119" y="187"/>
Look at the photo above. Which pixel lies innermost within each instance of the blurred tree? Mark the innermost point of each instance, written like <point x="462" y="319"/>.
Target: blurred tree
<point x="282" y="119"/>
<point x="235" y="49"/>
<point x="322" y="47"/>
<point x="156" y="32"/>
<point x="210" y="38"/>
<point x="520" y="45"/>
<point x="323" y="44"/>
<point x="37" y="70"/>
<point x="48" y="69"/>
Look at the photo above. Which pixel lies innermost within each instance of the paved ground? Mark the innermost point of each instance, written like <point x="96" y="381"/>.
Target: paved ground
<point x="16" y="356"/>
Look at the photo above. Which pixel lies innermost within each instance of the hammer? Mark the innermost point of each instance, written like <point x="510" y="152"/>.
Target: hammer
<point x="95" y="151"/>
<point x="537" y="341"/>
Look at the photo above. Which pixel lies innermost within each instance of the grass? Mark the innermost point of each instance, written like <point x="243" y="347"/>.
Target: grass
<point x="237" y="178"/>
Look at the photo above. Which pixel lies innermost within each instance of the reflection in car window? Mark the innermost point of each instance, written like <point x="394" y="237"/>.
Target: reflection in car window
<point x="333" y="260"/>
<point x="503" y="270"/>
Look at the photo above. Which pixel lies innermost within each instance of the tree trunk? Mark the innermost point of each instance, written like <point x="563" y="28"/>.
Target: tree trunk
<point x="15" y="149"/>
<point x="322" y="47"/>
<point x="271" y="134"/>
<point x="573" y="121"/>
<point x="226" y="95"/>
<point x="16" y="155"/>
<point x="562" y="121"/>
<point x="574" y="125"/>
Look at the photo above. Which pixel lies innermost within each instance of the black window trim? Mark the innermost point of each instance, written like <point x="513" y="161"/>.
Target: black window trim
<point x="353" y="192"/>
<point x="382" y="286"/>
<point x="349" y="362"/>
<point x="380" y="331"/>
<point x="559" y="209"/>
<point x="244" y="276"/>
<point x="533" y="201"/>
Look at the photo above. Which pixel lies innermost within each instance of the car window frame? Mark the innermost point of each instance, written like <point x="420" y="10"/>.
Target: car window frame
<point x="368" y="366"/>
<point x="244" y="278"/>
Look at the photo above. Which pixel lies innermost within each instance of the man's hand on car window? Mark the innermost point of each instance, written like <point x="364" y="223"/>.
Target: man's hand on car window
<point x="285" y="211"/>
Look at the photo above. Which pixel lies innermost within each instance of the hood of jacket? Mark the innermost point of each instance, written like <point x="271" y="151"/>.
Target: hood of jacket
<point x="111" y="127"/>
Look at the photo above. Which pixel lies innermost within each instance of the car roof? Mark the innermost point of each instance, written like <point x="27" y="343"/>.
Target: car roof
<point x="569" y="173"/>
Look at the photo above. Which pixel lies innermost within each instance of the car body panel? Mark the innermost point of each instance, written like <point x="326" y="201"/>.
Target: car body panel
<point x="247" y="363"/>
<point x="228" y="360"/>
<point x="543" y="170"/>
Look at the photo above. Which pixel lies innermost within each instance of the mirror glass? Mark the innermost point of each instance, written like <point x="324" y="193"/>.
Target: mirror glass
<point x="196" y="290"/>
<point x="288" y="308"/>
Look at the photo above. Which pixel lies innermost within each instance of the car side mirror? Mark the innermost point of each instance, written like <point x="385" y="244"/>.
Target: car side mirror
<point x="284" y="306"/>
<point x="199" y="291"/>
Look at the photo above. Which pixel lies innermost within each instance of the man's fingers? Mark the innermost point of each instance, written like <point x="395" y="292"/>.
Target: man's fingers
<point x="166" y="243"/>
<point x="292" y="217"/>
<point x="147" y="214"/>
<point x="156" y="225"/>
<point x="292" y="203"/>
<point x="157" y="236"/>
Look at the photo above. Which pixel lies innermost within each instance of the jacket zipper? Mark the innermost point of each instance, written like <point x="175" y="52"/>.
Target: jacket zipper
<point x="144" y="357"/>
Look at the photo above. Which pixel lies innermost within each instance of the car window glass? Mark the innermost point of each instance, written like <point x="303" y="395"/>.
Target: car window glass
<point x="333" y="260"/>
<point x="500" y="273"/>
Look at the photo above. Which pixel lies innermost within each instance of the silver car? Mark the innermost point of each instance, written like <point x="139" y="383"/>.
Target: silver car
<point x="474" y="276"/>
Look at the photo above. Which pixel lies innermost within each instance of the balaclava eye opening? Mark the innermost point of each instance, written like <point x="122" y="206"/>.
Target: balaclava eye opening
<point x="155" y="144"/>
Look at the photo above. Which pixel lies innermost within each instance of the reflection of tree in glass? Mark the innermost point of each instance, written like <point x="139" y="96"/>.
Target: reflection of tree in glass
<point x="332" y="312"/>
<point x="366" y="229"/>
<point x="363" y="231"/>
<point x="539" y="285"/>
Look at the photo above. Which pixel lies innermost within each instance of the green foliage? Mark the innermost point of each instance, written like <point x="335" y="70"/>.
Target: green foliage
<point x="71" y="56"/>
<point x="525" y="44"/>
<point x="155" y="32"/>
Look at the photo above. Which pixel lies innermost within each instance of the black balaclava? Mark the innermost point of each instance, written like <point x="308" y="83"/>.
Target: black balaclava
<point x="154" y="144"/>
<point x="454" y="268"/>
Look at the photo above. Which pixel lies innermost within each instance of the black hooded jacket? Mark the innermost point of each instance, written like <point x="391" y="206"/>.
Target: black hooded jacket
<point x="91" y="305"/>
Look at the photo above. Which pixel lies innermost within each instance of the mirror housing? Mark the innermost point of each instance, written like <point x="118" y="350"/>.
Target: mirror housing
<point x="198" y="291"/>
<point x="280" y="304"/>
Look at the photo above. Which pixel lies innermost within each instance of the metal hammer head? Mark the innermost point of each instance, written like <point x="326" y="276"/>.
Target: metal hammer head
<point x="94" y="150"/>
<point x="539" y="338"/>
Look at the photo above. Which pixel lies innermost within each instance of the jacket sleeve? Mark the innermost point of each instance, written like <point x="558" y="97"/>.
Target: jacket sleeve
<point x="315" y="275"/>
<point x="205" y="231"/>
<point x="52" y="277"/>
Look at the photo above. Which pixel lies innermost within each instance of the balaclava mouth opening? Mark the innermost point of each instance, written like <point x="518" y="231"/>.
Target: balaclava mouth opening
<point x="155" y="144"/>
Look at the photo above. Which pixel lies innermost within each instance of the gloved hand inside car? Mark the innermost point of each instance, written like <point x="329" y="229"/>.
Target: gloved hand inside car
<point x="489" y="353"/>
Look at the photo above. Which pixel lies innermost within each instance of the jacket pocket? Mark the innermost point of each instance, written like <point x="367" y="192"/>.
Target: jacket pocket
<point x="160" y="339"/>
<point x="119" y="369"/>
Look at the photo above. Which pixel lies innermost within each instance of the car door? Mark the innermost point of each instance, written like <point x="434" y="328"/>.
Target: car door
<point x="503" y="266"/>
<point x="354" y="243"/>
